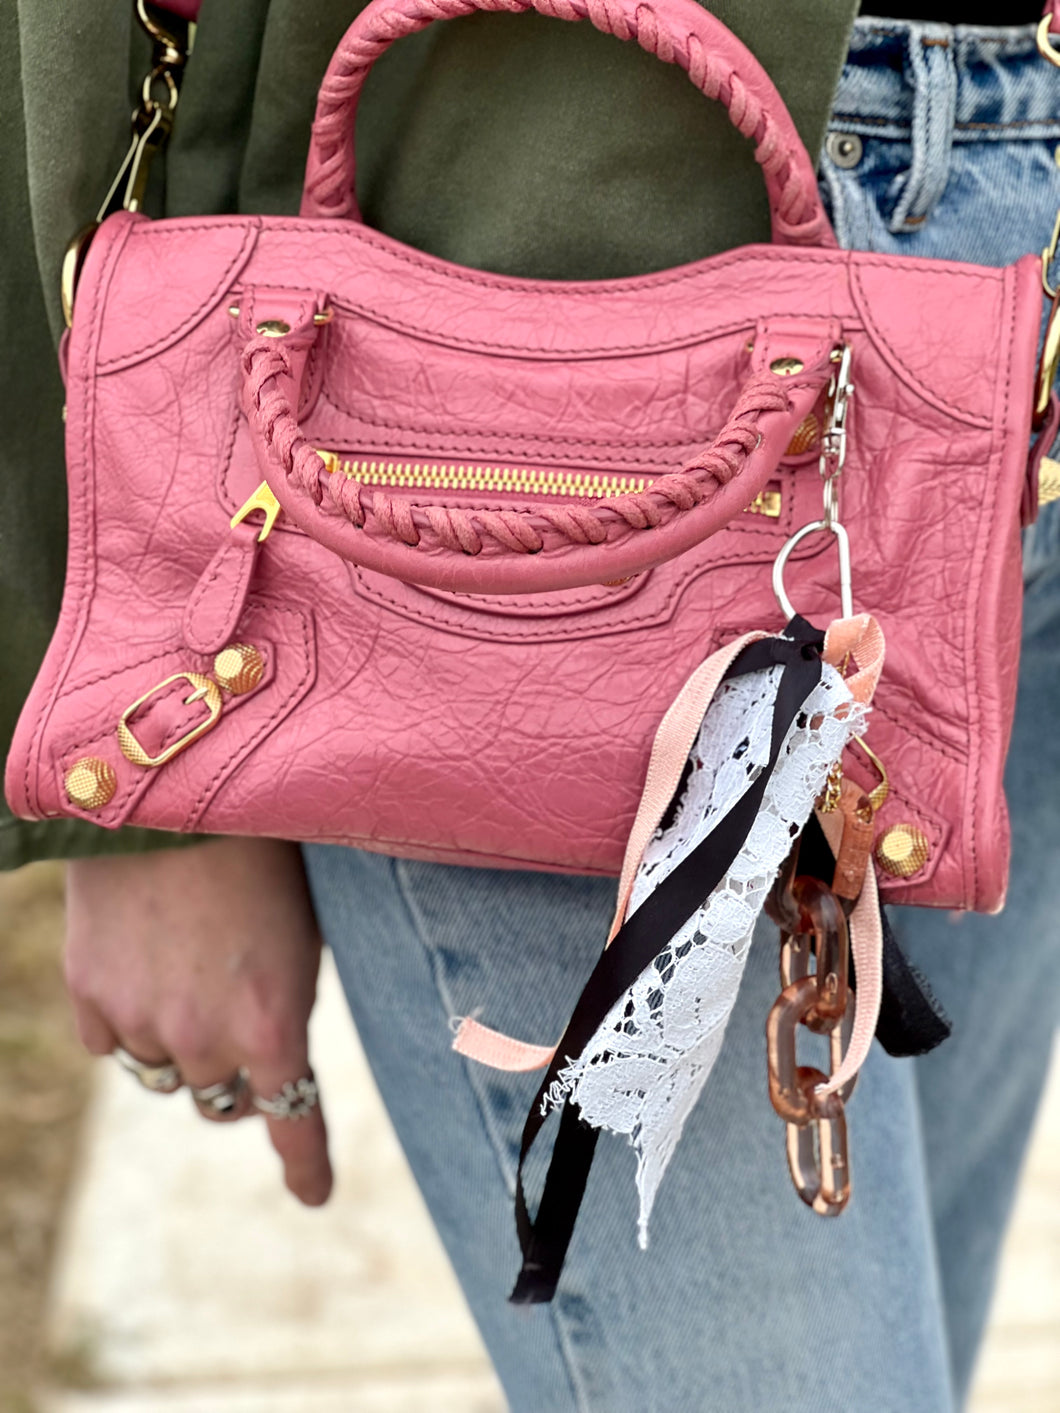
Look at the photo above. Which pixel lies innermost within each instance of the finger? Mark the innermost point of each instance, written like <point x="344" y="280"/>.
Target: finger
<point x="92" y="1029"/>
<point x="301" y="1143"/>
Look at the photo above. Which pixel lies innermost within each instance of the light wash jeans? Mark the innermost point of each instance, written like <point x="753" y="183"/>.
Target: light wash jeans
<point x="745" y="1301"/>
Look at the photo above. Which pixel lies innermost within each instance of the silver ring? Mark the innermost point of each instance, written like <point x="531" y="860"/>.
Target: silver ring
<point x="163" y="1078"/>
<point x="294" y="1101"/>
<point x="222" y="1102"/>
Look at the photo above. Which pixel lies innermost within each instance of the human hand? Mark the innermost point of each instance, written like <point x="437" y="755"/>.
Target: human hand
<point x="206" y="957"/>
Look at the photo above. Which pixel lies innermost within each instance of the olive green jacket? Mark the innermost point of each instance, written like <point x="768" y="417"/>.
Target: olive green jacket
<point x="508" y="142"/>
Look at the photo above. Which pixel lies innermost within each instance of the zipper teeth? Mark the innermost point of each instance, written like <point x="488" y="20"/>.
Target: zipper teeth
<point x="512" y="480"/>
<point x="518" y="480"/>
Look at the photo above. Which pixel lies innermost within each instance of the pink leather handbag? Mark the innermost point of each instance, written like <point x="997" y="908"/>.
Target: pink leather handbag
<point x="484" y="528"/>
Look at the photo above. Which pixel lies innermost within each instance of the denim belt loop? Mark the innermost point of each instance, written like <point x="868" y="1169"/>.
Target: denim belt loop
<point x="932" y="75"/>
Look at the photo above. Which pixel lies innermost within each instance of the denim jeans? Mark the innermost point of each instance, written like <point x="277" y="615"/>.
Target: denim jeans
<point x="942" y="144"/>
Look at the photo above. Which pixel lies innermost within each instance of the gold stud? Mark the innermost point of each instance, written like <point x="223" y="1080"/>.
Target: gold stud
<point x="785" y="367"/>
<point x="805" y="436"/>
<point x="902" y="850"/>
<point x="90" y="783"/>
<point x="273" y="328"/>
<point x="238" y="668"/>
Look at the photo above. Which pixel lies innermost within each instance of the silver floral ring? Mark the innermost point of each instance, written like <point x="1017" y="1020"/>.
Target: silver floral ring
<point x="295" y="1100"/>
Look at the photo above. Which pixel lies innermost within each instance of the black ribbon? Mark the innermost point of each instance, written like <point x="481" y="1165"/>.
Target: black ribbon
<point x="912" y="1022"/>
<point x="544" y="1240"/>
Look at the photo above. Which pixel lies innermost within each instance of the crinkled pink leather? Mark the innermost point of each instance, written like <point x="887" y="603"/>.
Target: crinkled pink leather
<point x="463" y="679"/>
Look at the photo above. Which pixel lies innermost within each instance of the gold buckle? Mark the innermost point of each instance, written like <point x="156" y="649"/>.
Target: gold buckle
<point x="204" y="689"/>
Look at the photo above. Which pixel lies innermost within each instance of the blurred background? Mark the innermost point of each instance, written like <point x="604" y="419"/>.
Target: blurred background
<point x="152" y="1263"/>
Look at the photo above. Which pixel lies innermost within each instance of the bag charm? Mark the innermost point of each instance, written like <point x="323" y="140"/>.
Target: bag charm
<point x="645" y="1066"/>
<point x="752" y="740"/>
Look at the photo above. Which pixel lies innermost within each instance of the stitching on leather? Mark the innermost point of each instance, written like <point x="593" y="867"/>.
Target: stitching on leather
<point x="899" y="366"/>
<point x="80" y="686"/>
<point x="550" y="353"/>
<point x="485" y="448"/>
<point x="987" y="519"/>
<point x="82" y="588"/>
<point x="575" y="606"/>
<point x="150" y="708"/>
<point x="139" y="782"/>
<point x="128" y="796"/>
<point x="205" y="797"/>
<point x="931" y="743"/>
<point x="229" y="502"/>
<point x="240" y="582"/>
<point x="256" y="291"/>
<point x="547" y="632"/>
<point x="328" y="228"/>
<point x="502" y="436"/>
<point x="125" y="360"/>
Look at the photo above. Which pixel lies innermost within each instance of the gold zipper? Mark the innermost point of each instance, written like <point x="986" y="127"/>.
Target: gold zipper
<point x="510" y="480"/>
<point x="472" y="479"/>
<point x="484" y="480"/>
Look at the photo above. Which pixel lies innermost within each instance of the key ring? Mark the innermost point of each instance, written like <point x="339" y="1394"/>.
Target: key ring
<point x="842" y="539"/>
<point x="832" y="460"/>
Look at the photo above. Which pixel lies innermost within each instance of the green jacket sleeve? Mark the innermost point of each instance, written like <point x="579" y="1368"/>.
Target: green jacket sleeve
<point x="512" y="143"/>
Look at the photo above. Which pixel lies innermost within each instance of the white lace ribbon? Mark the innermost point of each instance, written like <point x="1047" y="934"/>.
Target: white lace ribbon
<point x="647" y="1063"/>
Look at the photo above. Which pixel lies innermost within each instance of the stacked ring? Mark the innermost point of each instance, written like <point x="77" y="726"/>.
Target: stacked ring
<point x="161" y="1078"/>
<point x="222" y="1102"/>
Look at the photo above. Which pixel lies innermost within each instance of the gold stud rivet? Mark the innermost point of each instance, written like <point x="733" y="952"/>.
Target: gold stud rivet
<point x="238" y="668"/>
<point x="902" y="850"/>
<point x="785" y="367"/>
<point x="273" y="328"/>
<point x="90" y="783"/>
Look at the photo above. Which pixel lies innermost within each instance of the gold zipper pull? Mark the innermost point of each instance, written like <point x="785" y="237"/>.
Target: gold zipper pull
<point x="264" y="500"/>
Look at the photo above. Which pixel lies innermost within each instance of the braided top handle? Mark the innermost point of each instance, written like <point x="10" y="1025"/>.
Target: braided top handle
<point x="516" y="550"/>
<point x="678" y="32"/>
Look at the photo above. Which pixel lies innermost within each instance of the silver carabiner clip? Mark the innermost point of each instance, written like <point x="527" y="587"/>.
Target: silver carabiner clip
<point x="846" y="594"/>
<point x="832" y="459"/>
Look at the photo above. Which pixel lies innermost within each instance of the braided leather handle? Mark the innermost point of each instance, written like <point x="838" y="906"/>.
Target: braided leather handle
<point x="676" y="31"/>
<point x="551" y="547"/>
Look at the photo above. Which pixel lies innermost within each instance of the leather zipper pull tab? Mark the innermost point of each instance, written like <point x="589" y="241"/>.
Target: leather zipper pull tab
<point x="217" y="601"/>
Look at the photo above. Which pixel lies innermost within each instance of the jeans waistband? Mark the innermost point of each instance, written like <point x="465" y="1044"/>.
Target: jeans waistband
<point x="966" y="82"/>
